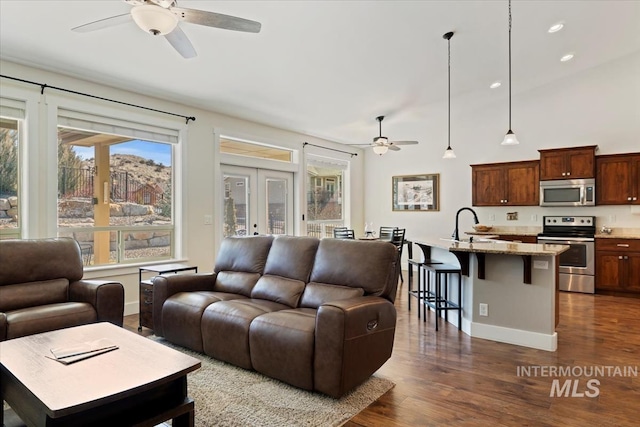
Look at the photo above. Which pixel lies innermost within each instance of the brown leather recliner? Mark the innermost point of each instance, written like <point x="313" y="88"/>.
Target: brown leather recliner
<point x="317" y="314"/>
<point x="41" y="289"/>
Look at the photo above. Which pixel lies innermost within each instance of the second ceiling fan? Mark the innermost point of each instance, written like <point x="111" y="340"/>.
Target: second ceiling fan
<point x="381" y="144"/>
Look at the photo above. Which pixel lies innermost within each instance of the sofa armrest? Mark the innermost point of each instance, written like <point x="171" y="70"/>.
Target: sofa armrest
<point x="354" y="337"/>
<point x="165" y="286"/>
<point x="3" y="326"/>
<point x="107" y="297"/>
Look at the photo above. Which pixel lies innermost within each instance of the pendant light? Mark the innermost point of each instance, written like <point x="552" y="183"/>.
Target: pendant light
<point x="448" y="153"/>
<point x="510" y="137"/>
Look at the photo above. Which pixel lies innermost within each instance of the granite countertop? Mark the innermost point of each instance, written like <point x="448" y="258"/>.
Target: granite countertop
<point x="508" y="231"/>
<point x="620" y="233"/>
<point x="493" y="247"/>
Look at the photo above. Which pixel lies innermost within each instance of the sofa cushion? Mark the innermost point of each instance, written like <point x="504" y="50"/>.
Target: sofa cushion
<point x="248" y="254"/>
<point x="33" y="320"/>
<point x="282" y="345"/>
<point x="292" y="257"/>
<point x="316" y="294"/>
<point x="21" y="295"/>
<point x="225" y="328"/>
<point x="236" y="282"/>
<point x="182" y="314"/>
<point x="357" y="264"/>
<point x="40" y="259"/>
<point x="278" y="289"/>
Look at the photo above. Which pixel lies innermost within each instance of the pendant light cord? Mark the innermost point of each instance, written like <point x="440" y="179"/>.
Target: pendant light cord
<point x="449" y="94"/>
<point x="509" y="64"/>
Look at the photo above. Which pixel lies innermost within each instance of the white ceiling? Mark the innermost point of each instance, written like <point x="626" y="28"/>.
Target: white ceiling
<point x="328" y="68"/>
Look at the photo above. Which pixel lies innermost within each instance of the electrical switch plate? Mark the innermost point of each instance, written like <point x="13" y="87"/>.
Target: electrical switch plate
<point x="208" y="219"/>
<point x="612" y="218"/>
<point x="534" y="217"/>
<point x="492" y="217"/>
<point x="484" y="309"/>
<point x="541" y="265"/>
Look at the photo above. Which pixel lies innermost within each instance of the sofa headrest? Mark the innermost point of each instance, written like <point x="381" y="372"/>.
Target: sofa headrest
<point x="246" y="254"/>
<point x="292" y="257"/>
<point x="40" y="259"/>
<point x="358" y="264"/>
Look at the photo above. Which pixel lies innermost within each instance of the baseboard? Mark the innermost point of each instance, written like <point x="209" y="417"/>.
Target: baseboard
<point x="131" y="308"/>
<point x="515" y="336"/>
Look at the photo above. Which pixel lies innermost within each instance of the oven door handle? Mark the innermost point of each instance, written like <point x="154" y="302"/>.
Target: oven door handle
<point x="567" y="239"/>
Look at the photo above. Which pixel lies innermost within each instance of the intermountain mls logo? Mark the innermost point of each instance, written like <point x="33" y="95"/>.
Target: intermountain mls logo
<point x="576" y="381"/>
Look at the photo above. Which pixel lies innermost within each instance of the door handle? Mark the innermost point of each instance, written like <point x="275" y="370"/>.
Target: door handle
<point x="255" y="233"/>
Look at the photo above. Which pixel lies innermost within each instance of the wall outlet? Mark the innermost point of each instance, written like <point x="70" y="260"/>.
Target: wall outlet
<point x="534" y="218"/>
<point x="612" y="218"/>
<point x="484" y="309"/>
<point x="492" y="217"/>
<point x="208" y="219"/>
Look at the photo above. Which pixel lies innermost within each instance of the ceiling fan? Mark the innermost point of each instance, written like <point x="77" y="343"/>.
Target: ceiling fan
<point x="381" y="144"/>
<point x="161" y="17"/>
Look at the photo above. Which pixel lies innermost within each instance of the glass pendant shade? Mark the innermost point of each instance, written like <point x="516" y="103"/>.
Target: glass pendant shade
<point x="154" y="19"/>
<point x="380" y="149"/>
<point x="449" y="154"/>
<point x="510" y="139"/>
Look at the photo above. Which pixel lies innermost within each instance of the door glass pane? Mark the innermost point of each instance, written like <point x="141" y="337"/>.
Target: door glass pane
<point x="236" y="203"/>
<point x="276" y="206"/>
<point x="324" y="200"/>
<point x="576" y="256"/>
<point x="9" y="179"/>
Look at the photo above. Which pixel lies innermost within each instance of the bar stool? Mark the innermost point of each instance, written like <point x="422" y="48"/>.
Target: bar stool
<point x="436" y="299"/>
<point x="419" y="264"/>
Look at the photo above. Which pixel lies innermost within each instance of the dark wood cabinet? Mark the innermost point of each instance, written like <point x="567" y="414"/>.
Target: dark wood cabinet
<point x="506" y="184"/>
<point x="618" y="265"/>
<point x="568" y="163"/>
<point x="618" y="179"/>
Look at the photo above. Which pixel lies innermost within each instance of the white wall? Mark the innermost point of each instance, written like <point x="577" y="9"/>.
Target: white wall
<point x="200" y="168"/>
<point x="600" y="106"/>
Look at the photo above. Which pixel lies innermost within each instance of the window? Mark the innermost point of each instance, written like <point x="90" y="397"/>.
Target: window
<point x="254" y="149"/>
<point x="325" y="186"/>
<point x="115" y="192"/>
<point x="11" y="115"/>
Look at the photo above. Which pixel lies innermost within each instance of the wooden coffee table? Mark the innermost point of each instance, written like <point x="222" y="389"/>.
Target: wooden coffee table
<point x="142" y="383"/>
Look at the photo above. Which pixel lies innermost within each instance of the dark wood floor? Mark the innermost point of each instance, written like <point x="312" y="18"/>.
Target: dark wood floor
<point x="448" y="378"/>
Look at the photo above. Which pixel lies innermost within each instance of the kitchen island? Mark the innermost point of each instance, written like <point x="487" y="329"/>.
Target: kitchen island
<point x="517" y="281"/>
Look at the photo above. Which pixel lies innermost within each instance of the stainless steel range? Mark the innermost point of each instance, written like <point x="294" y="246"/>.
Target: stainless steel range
<point x="577" y="265"/>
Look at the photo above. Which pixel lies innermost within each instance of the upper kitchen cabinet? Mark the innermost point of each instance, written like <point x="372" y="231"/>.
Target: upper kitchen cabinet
<point x="506" y="184"/>
<point x="618" y="179"/>
<point x="568" y="163"/>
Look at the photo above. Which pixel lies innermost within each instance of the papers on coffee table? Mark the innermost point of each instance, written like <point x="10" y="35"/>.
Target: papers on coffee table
<point x="80" y="351"/>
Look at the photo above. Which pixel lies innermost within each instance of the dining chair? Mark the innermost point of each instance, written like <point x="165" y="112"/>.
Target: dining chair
<point x="344" y="234"/>
<point x="386" y="233"/>
<point x="397" y="238"/>
<point x="338" y="230"/>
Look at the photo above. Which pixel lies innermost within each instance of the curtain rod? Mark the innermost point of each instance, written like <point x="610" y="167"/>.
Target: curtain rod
<point x="327" y="148"/>
<point x="43" y="86"/>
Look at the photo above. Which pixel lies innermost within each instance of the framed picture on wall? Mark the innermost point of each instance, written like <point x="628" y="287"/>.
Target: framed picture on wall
<point x="416" y="192"/>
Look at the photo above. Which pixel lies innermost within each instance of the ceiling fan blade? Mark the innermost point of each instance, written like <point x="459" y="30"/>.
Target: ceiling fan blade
<point x="103" y="23"/>
<point x="393" y="147"/>
<point x="363" y="145"/>
<point x="217" y="20"/>
<point x="181" y="43"/>
<point x="403" y="142"/>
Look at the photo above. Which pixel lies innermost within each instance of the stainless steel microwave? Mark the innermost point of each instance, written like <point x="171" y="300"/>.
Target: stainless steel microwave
<point x="568" y="192"/>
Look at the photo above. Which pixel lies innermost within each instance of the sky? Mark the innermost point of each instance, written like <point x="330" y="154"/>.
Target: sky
<point x="158" y="152"/>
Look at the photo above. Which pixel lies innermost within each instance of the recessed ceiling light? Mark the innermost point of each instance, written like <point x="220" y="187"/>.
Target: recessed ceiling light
<point x="556" y="27"/>
<point x="495" y="85"/>
<point x="567" y="57"/>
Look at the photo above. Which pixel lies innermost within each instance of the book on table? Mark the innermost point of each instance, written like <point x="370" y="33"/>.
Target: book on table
<point x="80" y="351"/>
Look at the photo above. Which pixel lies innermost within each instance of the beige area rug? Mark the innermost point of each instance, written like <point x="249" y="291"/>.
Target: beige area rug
<point x="226" y="395"/>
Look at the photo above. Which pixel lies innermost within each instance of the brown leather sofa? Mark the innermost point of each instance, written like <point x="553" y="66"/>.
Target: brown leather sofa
<point x="41" y="289"/>
<point x="317" y="314"/>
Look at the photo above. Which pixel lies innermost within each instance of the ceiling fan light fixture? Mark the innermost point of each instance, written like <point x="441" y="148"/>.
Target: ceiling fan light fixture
<point x="381" y="140"/>
<point x="380" y="149"/>
<point x="154" y="19"/>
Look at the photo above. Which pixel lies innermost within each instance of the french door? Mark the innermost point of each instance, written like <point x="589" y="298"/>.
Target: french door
<point x="256" y="201"/>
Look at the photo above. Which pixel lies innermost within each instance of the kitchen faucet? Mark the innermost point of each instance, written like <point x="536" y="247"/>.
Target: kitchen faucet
<point x="456" y="235"/>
